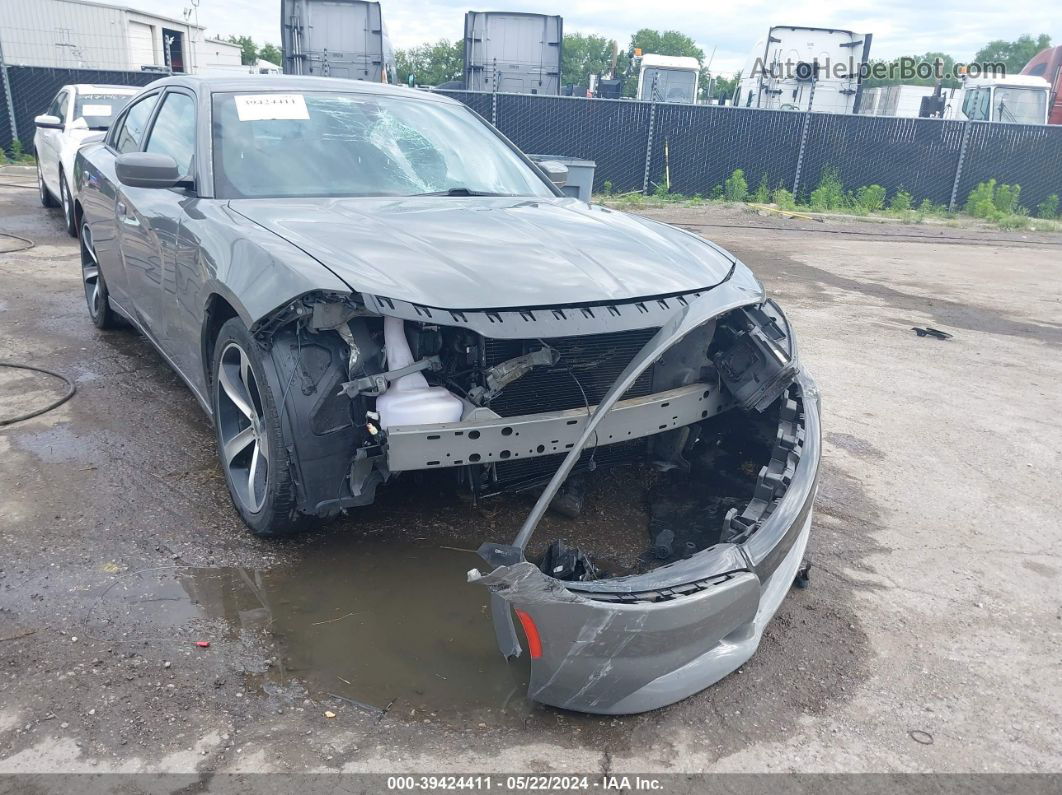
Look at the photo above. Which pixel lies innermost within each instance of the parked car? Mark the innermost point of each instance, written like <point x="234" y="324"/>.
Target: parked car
<point x="78" y="114"/>
<point x="360" y="282"/>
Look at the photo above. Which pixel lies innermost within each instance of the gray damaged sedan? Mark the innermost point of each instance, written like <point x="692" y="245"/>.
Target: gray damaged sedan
<point x="360" y="282"/>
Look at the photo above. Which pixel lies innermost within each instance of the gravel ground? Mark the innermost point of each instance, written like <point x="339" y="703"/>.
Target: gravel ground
<point x="930" y="639"/>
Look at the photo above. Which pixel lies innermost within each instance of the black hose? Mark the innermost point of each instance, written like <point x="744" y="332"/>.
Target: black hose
<point x="29" y="243"/>
<point x="54" y="404"/>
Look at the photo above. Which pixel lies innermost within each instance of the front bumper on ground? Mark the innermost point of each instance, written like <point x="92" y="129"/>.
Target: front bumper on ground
<point x="632" y="644"/>
<point x="636" y="643"/>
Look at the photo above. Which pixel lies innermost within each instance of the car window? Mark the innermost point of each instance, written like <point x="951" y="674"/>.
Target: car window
<point x="133" y="126"/>
<point x="99" y="108"/>
<point x="348" y="144"/>
<point x="173" y="132"/>
<point x="58" y="106"/>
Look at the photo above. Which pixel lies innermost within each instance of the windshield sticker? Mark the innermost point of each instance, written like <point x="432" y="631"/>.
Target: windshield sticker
<point x="96" y="110"/>
<point x="262" y="107"/>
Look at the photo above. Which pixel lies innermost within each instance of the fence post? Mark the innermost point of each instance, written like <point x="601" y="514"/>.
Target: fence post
<point x="494" y="95"/>
<point x="649" y="139"/>
<point x="804" y="136"/>
<point x="958" y="166"/>
<point x="8" y="97"/>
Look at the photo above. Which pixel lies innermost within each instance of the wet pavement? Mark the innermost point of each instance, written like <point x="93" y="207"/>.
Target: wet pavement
<point x="121" y="551"/>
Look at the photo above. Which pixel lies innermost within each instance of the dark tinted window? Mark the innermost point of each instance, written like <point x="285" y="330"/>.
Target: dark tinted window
<point x="58" y="107"/>
<point x="132" y="130"/>
<point x="99" y="109"/>
<point x="173" y="133"/>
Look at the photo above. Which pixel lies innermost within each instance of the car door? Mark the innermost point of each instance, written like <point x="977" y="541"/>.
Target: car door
<point x="123" y="245"/>
<point x="150" y="218"/>
<point x="49" y="140"/>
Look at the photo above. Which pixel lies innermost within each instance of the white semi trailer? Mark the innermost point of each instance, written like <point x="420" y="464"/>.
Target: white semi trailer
<point x="513" y="52"/>
<point x="336" y="38"/>
<point x="798" y="68"/>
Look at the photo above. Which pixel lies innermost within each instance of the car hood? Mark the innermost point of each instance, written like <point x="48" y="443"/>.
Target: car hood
<point x="486" y="252"/>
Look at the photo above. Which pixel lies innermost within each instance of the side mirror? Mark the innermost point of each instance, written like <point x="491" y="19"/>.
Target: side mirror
<point x="92" y="138"/>
<point x="49" y="122"/>
<point x="79" y="124"/>
<point x="556" y="171"/>
<point x="146" y="170"/>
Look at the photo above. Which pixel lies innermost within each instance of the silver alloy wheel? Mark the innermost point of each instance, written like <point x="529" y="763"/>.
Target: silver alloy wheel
<point x="90" y="273"/>
<point x="242" y="427"/>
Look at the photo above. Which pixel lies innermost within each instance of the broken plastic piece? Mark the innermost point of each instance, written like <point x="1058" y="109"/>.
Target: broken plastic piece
<point x="203" y="644"/>
<point x="929" y="331"/>
<point x="570" y="564"/>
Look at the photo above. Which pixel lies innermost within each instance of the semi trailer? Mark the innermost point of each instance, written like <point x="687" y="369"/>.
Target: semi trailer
<point x="513" y="52"/>
<point x="336" y="38"/>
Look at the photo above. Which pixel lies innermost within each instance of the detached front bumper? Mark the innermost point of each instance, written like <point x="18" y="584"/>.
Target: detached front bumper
<point x="633" y="644"/>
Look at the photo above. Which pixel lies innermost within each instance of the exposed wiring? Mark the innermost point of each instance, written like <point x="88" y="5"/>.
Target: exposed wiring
<point x="29" y="243"/>
<point x="71" y="389"/>
<point x="591" y="464"/>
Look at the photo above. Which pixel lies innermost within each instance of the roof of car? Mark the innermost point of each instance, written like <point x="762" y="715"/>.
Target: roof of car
<point x="95" y="88"/>
<point x="263" y="83"/>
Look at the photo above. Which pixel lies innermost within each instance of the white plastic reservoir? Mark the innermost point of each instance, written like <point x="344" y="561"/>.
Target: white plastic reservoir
<point x="409" y="400"/>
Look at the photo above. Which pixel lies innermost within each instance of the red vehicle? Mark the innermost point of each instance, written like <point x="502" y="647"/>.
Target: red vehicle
<point x="1048" y="65"/>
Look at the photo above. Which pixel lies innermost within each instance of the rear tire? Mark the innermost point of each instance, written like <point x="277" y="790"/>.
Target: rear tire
<point x="47" y="200"/>
<point x="67" y="204"/>
<point x="96" y="295"/>
<point x="252" y="450"/>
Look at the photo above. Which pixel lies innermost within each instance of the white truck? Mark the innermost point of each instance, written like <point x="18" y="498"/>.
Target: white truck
<point x="668" y="78"/>
<point x="1019" y="99"/>
<point x="513" y="52"/>
<point x="798" y="68"/>
<point x="898" y="100"/>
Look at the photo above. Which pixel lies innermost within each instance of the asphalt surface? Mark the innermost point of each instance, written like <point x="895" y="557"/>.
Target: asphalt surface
<point x="930" y="640"/>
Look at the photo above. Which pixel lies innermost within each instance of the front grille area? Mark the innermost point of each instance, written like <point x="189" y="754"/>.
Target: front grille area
<point x="595" y="361"/>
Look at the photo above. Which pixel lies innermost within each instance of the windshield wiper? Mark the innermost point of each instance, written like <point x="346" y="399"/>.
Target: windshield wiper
<point x="461" y="192"/>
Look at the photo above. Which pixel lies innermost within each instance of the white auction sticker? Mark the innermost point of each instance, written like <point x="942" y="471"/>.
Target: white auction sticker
<point x="96" y="110"/>
<point x="262" y="107"/>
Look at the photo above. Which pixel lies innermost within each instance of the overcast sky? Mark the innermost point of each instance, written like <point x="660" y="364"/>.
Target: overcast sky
<point x="902" y="27"/>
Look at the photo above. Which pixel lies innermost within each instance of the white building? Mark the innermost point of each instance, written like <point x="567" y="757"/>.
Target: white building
<point x="90" y="35"/>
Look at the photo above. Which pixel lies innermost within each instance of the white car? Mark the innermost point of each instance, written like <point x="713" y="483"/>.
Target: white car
<point x="78" y="113"/>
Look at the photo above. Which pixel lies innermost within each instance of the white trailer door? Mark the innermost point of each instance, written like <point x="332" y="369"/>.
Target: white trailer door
<point x="141" y="45"/>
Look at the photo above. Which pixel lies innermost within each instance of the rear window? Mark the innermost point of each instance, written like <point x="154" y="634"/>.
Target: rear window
<point x="99" y="110"/>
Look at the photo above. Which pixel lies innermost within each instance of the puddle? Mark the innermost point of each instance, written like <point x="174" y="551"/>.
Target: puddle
<point x="375" y="622"/>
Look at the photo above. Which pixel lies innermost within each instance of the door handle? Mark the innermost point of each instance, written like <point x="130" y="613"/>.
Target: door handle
<point x="121" y="208"/>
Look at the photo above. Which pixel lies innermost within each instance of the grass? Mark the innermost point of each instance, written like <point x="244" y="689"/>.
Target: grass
<point x="17" y="156"/>
<point x="998" y="205"/>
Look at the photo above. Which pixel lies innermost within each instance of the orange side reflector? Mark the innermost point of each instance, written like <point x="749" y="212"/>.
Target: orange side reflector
<point x="534" y="642"/>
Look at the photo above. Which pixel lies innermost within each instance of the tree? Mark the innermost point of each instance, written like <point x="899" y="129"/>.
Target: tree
<point x="431" y="64"/>
<point x="904" y="70"/>
<point x="1014" y="54"/>
<point x="585" y="55"/>
<point x="723" y="86"/>
<point x="271" y="53"/>
<point x="248" y="49"/>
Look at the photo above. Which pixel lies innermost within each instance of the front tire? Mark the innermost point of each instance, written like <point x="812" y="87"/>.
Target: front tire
<point x="96" y="295"/>
<point x="251" y="445"/>
<point x="67" y="205"/>
<point x="47" y="200"/>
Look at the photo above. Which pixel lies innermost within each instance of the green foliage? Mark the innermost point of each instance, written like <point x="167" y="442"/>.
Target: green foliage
<point x="431" y="64"/>
<point x="981" y="201"/>
<point x="722" y="87"/>
<point x="717" y="193"/>
<point x="784" y="199"/>
<point x="3" y="156"/>
<point x="1013" y="54"/>
<point x="736" y="188"/>
<point x="893" y="71"/>
<point x="1012" y="222"/>
<point x="667" y="42"/>
<point x="588" y="54"/>
<point x="18" y="154"/>
<point x="661" y="190"/>
<point x="248" y="49"/>
<point x="1048" y="208"/>
<point x="829" y="195"/>
<point x="607" y="187"/>
<point x="901" y="201"/>
<point x="1006" y="199"/>
<point x="927" y="207"/>
<point x="871" y="198"/>
<point x="271" y="53"/>
<point x="763" y="193"/>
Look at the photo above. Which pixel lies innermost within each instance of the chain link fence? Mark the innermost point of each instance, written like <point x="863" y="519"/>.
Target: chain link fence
<point x="694" y="148"/>
<point x="34" y="87"/>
